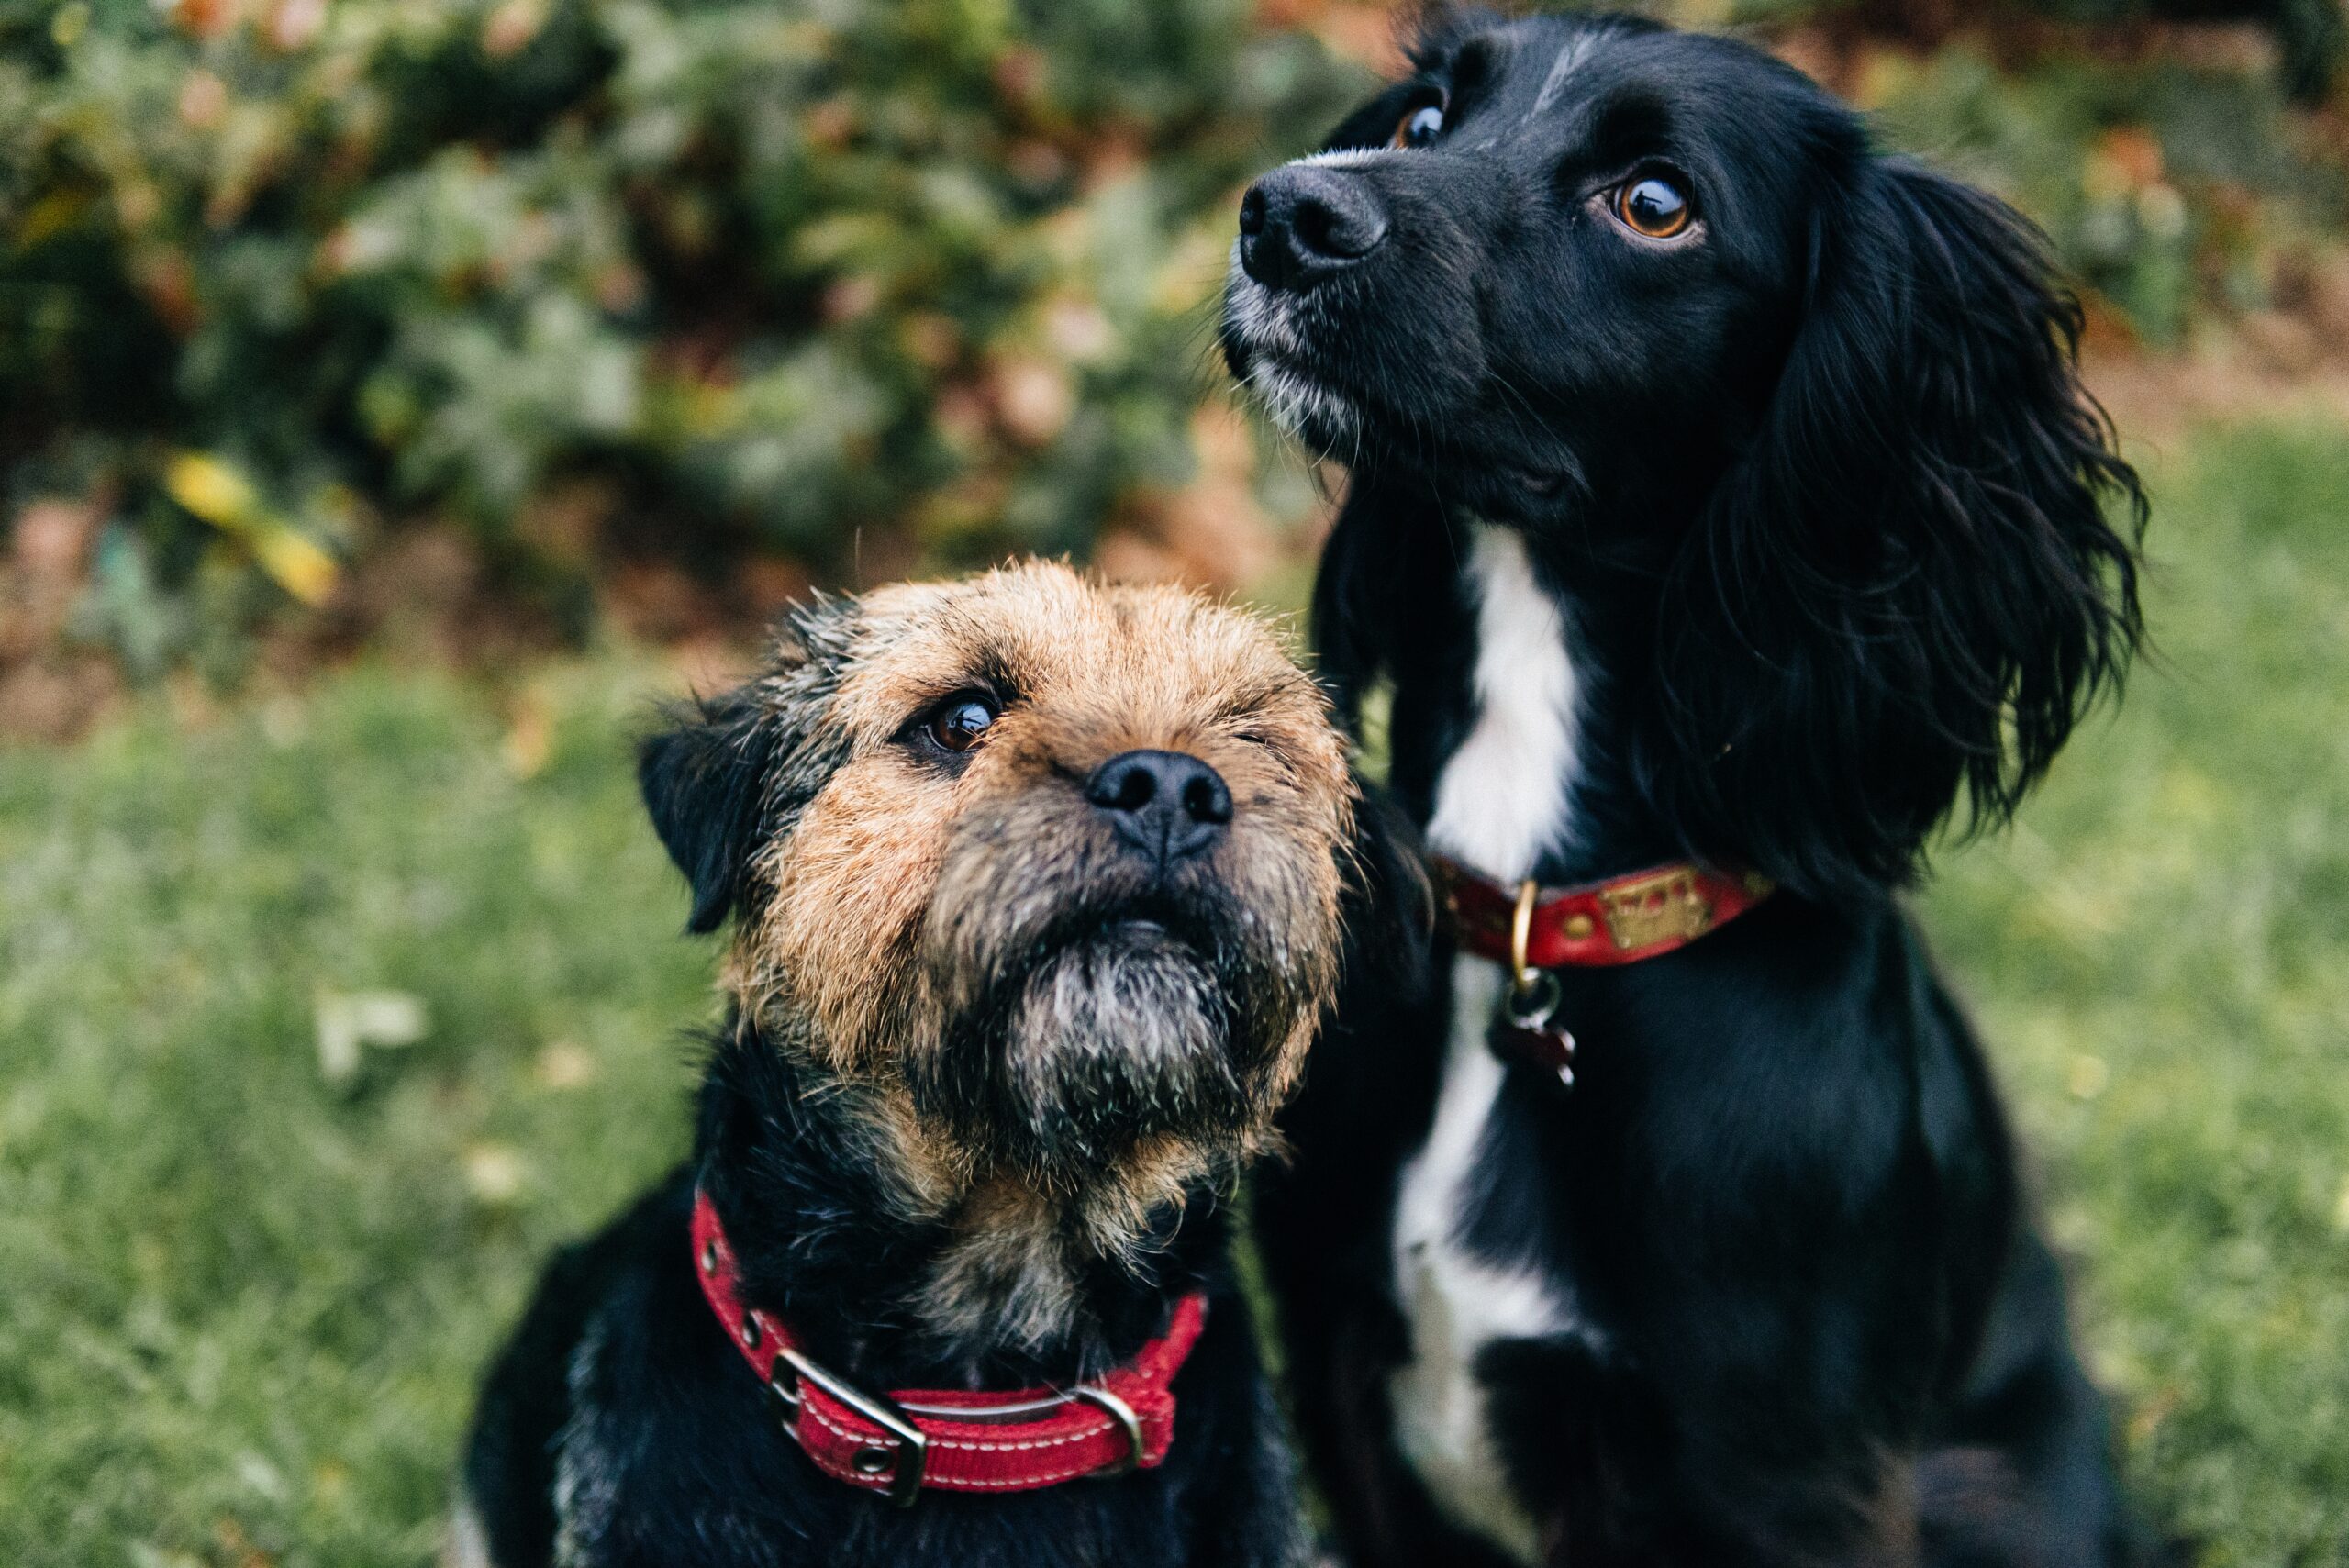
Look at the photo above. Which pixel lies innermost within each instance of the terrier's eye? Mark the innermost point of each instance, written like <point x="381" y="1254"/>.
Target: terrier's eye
<point x="1658" y="204"/>
<point x="1419" y="126"/>
<point x="960" y="722"/>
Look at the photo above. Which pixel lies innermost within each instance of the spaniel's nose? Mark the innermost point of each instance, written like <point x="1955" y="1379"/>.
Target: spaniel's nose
<point x="1167" y="804"/>
<point x="1305" y="222"/>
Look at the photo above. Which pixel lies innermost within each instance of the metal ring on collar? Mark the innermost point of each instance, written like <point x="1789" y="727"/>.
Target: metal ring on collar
<point x="1521" y="934"/>
<point x="1121" y="1413"/>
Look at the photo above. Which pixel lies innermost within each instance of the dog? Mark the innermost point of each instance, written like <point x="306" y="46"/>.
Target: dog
<point x="1038" y="890"/>
<point x="1723" y="510"/>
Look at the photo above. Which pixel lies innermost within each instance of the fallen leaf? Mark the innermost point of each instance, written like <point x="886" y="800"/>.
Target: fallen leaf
<point x="346" y="1023"/>
<point x="2088" y="1077"/>
<point x="529" y="738"/>
<point x="562" y="1065"/>
<point x="495" y="1173"/>
<point x="263" y="1477"/>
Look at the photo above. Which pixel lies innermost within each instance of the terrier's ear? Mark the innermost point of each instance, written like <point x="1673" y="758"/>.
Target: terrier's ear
<point x="704" y="783"/>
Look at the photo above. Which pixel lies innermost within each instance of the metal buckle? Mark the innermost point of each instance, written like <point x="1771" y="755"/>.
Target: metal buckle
<point x="1121" y="1413"/>
<point x="911" y="1458"/>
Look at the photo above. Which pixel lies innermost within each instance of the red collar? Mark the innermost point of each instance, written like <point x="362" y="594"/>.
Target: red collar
<point x="951" y="1441"/>
<point x="1532" y="932"/>
<point x="1620" y="920"/>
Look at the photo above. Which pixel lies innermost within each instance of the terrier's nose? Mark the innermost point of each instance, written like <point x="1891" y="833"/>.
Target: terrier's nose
<point x="1305" y="222"/>
<point x="1167" y="804"/>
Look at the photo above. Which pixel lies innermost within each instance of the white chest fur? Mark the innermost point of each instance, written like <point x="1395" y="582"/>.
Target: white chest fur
<point x="1502" y="799"/>
<point x="1502" y="796"/>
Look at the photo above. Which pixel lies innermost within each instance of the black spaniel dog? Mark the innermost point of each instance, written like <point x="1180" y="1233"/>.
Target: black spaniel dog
<point x="1722" y="497"/>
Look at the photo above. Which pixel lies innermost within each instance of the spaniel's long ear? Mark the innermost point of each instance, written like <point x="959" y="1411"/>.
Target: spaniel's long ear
<point x="705" y="779"/>
<point x="1909" y="590"/>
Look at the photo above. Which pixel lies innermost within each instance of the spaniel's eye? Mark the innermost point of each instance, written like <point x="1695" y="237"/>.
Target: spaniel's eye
<point x="960" y="722"/>
<point x="1657" y="204"/>
<point x="1420" y="127"/>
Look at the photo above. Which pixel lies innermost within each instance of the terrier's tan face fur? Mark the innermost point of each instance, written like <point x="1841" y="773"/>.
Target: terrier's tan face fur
<point x="1031" y="1008"/>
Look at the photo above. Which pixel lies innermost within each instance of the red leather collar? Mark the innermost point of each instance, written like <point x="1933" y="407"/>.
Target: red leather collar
<point x="951" y="1441"/>
<point x="1620" y="920"/>
<point x="1531" y="930"/>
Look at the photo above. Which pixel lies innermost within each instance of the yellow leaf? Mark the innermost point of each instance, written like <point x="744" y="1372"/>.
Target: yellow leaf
<point x="211" y="489"/>
<point x="222" y="496"/>
<point x="300" y="567"/>
<point x="54" y="212"/>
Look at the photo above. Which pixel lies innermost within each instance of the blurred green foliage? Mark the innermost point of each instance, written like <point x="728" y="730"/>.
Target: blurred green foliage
<point x="770" y="272"/>
<point x="2169" y="188"/>
<point x="848" y="286"/>
<point x="249" y="1290"/>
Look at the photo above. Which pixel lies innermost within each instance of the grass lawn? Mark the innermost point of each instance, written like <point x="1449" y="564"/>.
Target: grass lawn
<point x="248" y="1283"/>
<point x="2159" y="953"/>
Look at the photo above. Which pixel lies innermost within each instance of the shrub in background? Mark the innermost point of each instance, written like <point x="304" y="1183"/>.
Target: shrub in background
<point x="822" y="279"/>
<point x="2175" y="186"/>
<point x="530" y="309"/>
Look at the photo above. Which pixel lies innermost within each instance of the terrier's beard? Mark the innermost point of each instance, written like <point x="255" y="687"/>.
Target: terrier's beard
<point x="1120" y="1035"/>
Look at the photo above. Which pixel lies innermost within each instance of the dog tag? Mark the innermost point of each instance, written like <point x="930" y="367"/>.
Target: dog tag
<point x="1525" y="1026"/>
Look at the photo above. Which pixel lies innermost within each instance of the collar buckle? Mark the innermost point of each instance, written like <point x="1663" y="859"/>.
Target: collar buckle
<point x="904" y="1464"/>
<point x="877" y="1442"/>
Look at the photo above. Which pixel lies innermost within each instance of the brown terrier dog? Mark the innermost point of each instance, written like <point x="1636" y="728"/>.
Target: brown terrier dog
<point x="1039" y="892"/>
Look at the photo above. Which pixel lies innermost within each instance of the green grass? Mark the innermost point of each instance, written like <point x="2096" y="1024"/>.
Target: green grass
<point x="243" y="1309"/>
<point x="242" y="1306"/>
<point x="2160" y="954"/>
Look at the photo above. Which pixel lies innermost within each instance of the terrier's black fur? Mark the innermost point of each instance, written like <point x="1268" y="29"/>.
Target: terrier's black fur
<point x="1815" y="500"/>
<point x="1119" y="1013"/>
